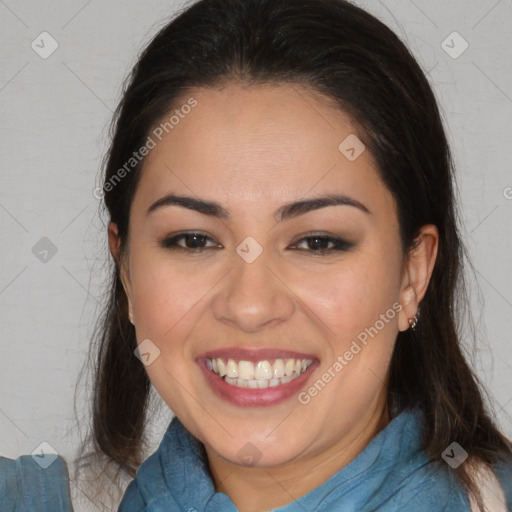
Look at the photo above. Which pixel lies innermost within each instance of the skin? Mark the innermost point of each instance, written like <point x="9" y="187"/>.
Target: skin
<point x="252" y="150"/>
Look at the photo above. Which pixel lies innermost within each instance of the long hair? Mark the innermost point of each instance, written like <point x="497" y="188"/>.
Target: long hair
<point x="338" y="49"/>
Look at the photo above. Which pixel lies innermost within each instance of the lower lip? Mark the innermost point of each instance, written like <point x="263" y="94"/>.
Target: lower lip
<point x="247" y="397"/>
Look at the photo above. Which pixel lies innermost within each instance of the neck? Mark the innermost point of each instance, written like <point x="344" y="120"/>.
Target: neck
<point x="258" y="489"/>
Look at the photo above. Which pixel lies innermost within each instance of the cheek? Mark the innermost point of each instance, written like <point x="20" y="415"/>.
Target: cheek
<point x="349" y="298"/>
<point x="167" y="302"/>
<point x="167" y="298"/>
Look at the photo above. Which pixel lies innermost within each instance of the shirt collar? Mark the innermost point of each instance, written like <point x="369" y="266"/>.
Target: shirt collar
<point x="180" y="469"/>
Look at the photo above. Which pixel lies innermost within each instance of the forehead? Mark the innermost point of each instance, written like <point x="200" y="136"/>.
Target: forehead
<point x="272" y="143"/>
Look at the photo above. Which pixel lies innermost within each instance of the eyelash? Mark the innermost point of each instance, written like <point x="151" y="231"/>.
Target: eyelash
<point x="339" y="243"/>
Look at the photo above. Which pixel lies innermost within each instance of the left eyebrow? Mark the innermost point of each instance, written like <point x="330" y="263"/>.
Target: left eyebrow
<point x="292" y="210"/>
<point x="287" y="211"/>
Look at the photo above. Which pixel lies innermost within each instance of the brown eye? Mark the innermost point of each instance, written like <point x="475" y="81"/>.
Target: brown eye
<point x="188" y="241"/>
<point x="323" y="244"/>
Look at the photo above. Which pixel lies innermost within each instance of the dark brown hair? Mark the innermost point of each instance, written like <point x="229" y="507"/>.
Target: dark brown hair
<point x="346" y="54"/>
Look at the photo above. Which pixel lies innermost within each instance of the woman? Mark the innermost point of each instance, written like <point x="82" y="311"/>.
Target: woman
<point x="288" y="272"/>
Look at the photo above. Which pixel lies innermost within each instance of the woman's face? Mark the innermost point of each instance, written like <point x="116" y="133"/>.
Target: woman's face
<point x="296" y="257"/>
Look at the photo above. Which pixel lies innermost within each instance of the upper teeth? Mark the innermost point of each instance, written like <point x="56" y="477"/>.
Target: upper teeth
<point x="261" y="370"/>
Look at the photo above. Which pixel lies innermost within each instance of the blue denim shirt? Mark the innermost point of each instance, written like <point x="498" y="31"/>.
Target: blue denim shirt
<point x="25" y="486"/>
<point x="392" y="474"/>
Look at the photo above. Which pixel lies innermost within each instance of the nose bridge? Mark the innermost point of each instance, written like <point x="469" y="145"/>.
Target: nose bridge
<point x="252" y="295"/>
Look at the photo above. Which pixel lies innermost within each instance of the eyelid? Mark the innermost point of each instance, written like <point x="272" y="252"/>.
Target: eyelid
<point x="182" y="235"/>
<point x="345" y="244"/>
<point x="318" y="234"/>
<point x="340" y="244"/>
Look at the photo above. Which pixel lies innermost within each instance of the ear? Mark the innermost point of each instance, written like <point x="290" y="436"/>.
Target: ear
<point x="114" y="243"/>
<point x="417" y="273"/>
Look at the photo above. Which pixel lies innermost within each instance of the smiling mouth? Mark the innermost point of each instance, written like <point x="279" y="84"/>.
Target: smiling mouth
<point x="259" y="374"/>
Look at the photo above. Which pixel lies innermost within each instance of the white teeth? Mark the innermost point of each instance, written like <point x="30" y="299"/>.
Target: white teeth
<point x="278" y="369"/>
<point x="263" y="370"/>
<point x="259" y="384"/>
<point x="289" y="367"/>
<point x="246" y="370"/>
<point x="222" y="367"/>
<point x="262" y="374"/>
<point x="232" y="369"/>
<point x="253" y="384"/>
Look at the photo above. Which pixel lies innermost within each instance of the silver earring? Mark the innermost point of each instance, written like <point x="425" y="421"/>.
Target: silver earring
<point x="130" y="316"/>
<point x="414" y="321"/>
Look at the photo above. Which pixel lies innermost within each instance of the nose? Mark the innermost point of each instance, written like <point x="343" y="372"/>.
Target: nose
<point x="253" y="296"/>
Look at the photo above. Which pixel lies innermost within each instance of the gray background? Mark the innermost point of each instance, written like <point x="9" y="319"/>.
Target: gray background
<point x="55" y="114"/>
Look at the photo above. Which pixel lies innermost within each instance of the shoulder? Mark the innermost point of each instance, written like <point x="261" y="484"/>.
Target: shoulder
<point x="405" y="478"/>
<point x="495" y="487"/>
<point x="421" y="485"/>
<point x="419" y="479"/>
<point x="148" y="491"/>
<point x="27" y="486"/>
<point x="430" y="485"/>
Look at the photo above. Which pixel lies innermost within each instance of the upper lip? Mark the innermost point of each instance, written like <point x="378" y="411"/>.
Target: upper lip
<point x="254" y="355"/>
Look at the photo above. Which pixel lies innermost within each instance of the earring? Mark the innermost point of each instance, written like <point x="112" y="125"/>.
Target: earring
<point x="414" y="320"/>
<point x="130" y="315"/>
